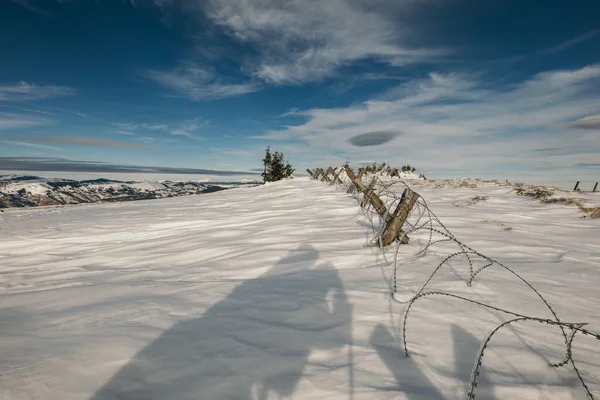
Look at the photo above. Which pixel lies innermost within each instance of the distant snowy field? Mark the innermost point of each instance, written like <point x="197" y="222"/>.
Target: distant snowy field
<point x="275" y="292"/>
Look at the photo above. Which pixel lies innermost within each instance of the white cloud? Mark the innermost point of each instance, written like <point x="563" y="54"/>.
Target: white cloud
<point x="188" y="128"/>
<point x="299" y="41"/>
<point x="37" y="146"/>
<point x="196" y="83"/>
<point x="76" y="113"/>
<point x="156" y="127"/>
<point x="23" y="91"/>
<point x="125" y="126"/>
<point x="454" y="121"/>
<point x="572" y="42"/>
<point x="16" y="121"/>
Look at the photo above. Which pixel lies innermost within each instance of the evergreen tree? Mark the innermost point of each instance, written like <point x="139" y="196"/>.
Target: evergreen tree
<point x="267" y="161"/>
<point x="274" y="167"/>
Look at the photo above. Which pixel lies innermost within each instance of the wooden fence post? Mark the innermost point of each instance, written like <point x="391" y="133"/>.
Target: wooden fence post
<point x="337" y="177"/>
<point x="353" y="185"/>
<point x="395" y="221"/>
<point x="310" y="173"/>
<point x="375" y="200"/>
<point x="595" y="187"/>
<point x="368" y="192"/>
<point x="324" y="177"/>
<point x="576" y="186"/>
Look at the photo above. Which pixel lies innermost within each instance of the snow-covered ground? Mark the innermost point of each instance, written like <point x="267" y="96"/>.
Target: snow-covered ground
<point x="276" y="292"/>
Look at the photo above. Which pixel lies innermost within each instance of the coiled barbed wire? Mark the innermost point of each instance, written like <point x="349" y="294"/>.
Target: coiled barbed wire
<point x="427" y="220"/>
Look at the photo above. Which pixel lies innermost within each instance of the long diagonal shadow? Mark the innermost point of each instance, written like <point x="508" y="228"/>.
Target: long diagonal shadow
<point x="253" y="343"/>
<point x="411" y="380"/>
<point x="466" y="348"/>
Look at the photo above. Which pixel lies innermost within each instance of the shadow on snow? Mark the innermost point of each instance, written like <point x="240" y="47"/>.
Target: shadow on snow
<point x="253" y="343"/>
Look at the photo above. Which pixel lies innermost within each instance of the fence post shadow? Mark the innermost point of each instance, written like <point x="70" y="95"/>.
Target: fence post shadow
<point x="253" y="343"/>
<point x="466" y="348"/>
<point x="411" y="380"/>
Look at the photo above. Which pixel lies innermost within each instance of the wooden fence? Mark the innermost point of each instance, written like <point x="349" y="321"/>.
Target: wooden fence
<point x="393" y="221"/>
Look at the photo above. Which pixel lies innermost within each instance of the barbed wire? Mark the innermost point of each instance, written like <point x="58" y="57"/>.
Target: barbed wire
<point x="420" y="218"/>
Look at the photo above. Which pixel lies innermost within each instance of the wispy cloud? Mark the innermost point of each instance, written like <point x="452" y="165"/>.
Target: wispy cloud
<point x="458" y="121"/>
<point x="125" y="126"/>
<point x="571" y="42"/>
<point x="591" y="122"/>
<point x="37" y="146"/>
<point x="61" y="164"/>
<point x="162" y="127"/>
<point x="16" y="121"/>
<point x="23" y="91"/>
<point x="27" y="4"/>
<point x="86" y="141"/>
<point x="296" y="42"/>
<point x="27" y="110"/>
<point x="196" y="83"/>
<point x="76" y="113"/>
<point x="188" y="128"/>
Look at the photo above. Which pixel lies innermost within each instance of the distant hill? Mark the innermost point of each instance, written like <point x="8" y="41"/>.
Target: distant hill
<point x="33" y="191"/>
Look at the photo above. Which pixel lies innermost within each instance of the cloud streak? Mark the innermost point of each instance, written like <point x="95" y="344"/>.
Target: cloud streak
<point x="592" y="122"/>
<point x="453" y="121"/>
<point x="572" y="42"/>
<point x="65" y="165"/>
<point x="294" y="42"/>
<point x="9" y="121"/>
<point x="86" y="141"/>
<point x="23" y="91"/>
<point x="196" y="83"/>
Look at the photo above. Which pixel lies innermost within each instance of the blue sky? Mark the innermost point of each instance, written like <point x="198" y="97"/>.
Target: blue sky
<point x="455" y="87"/>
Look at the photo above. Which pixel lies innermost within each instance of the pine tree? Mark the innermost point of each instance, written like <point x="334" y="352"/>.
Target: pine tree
<point x="274" y="167"/>
<point x="267" y="161"/>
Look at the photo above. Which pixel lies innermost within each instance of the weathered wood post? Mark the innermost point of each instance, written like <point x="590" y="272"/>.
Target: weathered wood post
<point x="368" y="192"/>
<point x="324" y="177"/>
<point x="576" y="186"/>
<point x="353" y="185"/>
<point x="396" y="220"/>
<point x="373" y="198"/>
<point x="336" y="177"/>
<point x="595" y="187"/>
<point x="310" y="173"/>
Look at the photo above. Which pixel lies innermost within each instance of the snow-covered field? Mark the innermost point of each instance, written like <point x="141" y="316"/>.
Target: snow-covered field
<point x="276" y="292"/>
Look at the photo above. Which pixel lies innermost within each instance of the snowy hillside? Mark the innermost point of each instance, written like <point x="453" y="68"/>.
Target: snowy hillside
<point x="32" y="191"/>
<point x="277" y="292"/>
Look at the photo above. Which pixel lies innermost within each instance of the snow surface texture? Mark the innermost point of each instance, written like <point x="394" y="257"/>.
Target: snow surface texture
<point x="278" y="292"/>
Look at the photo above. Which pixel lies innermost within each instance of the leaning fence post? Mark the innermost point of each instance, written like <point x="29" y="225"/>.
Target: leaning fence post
<point x="368" y="192"/>
<point x="337" y="178"/>
<point x="353" y="185"/>
<point x="310" y="173"/>
<point x="395" y="221"/>
<point x="324" y="177"/>
<point x="595" y="187"/>
<point x="576" y="185"/>
<point x="375" y="200"/>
